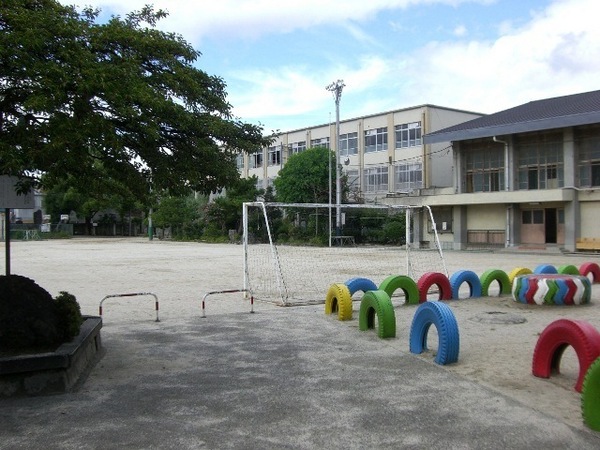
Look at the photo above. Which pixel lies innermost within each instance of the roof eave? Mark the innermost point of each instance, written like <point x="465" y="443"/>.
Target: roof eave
<point x="513" y="128"/>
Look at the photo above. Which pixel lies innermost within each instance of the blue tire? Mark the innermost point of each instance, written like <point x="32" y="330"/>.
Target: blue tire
<point x="440" y="315"/>
<point x="360" y="284"/>
<point x="545" y="269"/>
<point x="465" y="276"/>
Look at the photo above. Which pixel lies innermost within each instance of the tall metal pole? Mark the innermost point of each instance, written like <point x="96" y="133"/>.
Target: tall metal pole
<point x="336" y="88"/>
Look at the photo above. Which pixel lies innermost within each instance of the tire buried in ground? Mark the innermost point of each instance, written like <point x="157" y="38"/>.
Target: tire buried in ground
<point x="465" y="276"/>
<point x="590" y="268"/>
<point x="360" y="284"/>
<point x="554" y="340"/>
<point x="339" y="300"/>
<point x="440" y="315"/>
<point x="377" y="305"/>
<point x="590" y="395"/>
<point x="394" y="282"/>
<point x="491" y="275"/>
<point x="428" y="279"/>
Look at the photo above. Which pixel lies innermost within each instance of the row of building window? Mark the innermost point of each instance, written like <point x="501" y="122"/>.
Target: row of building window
<point x="407" y="135"/>
<point x="407" y="177"/>
<point x="539" y="164"/>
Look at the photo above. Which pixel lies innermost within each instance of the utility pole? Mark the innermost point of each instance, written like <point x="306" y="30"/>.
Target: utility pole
<point x="336" y="88"/>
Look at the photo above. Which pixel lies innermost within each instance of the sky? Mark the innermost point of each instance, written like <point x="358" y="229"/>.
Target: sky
<point x="278" y="56"/>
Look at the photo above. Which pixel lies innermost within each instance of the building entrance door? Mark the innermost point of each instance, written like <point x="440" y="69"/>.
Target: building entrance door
<point x="550" y="225"/>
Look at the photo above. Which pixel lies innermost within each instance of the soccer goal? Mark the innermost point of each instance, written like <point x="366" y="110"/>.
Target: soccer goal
<point x="293" y="252"/>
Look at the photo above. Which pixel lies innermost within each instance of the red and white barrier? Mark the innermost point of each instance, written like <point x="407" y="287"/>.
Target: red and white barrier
<point x="228" y="291"/>
<point x="133" y="294"/>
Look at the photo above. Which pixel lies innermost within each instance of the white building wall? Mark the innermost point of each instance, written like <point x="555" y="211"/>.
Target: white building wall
<point x="372" y="169"/>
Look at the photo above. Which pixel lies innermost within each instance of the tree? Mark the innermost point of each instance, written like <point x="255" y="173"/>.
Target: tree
<point x="225" y="213"/>
<point x="104" y="193"/>
<point x="178" y="213"/>
<point x="305" y="177"/>
<point x="118" y="100"/>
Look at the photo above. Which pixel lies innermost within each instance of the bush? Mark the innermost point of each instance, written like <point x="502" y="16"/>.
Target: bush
<point x="70" y="319"/>
<point x="31" y="320"/>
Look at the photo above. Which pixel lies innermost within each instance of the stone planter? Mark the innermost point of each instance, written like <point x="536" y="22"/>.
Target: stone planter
<point x="53" y="372"/>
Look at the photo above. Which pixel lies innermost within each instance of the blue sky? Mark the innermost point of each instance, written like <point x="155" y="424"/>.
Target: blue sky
<point x="277" y="56"/>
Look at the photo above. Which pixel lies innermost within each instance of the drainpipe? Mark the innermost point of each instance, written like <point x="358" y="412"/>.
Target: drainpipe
<point x="506" y="188"/>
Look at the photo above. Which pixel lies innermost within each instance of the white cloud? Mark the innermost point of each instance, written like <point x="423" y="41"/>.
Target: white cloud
<point x="289" y="91"/>
<point x="242" y="19"/>
<point x="556" y="53"/>
<point x="460" y="31"/>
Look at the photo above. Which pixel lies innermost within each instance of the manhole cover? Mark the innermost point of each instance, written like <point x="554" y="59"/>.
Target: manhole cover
<point x="498" y="317"/>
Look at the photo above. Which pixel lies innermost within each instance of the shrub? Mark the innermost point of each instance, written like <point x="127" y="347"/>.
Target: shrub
<point x="31" y="320"/>
<point x="69" y="315"/>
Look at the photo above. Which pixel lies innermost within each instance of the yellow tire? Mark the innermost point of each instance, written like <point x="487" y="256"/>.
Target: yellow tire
<point x="516" y="272"/>
<point x="339" y="300"/>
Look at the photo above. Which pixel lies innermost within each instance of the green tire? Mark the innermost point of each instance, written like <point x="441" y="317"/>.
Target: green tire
<point x="377" y="304"/>
<point x="394" y="282"/>
<point x="590" y="396"/>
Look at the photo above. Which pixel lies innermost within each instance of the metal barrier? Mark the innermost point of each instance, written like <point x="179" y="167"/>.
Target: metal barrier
<point x="133" y="294"/>
<point x="229" y="291"/>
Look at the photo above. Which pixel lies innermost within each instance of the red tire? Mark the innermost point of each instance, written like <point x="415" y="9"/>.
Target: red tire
<point x="440" y="280"/>
<point x="593" y="268"/>
<point x="556" y="337"/>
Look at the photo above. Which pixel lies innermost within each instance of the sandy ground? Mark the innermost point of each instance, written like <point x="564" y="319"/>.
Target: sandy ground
<point x="496" y="355"/>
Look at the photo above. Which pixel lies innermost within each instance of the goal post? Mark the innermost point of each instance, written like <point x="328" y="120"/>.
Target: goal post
<point x="292" y="257"/>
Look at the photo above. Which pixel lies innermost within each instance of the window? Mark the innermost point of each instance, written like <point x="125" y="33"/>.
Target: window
<point x="376" y="179"/>
<point x="587" y="142"/>
<point x="533" y="216"/>
<point x="408" y="135"/>
<point x="540" y="161"/>
<point x="484" y="169"/>
<point x="376" y="140"/>
<point x="323" y="142"/>
<point x="275" y="156"/>
<point x="348" y="144"/>
<point x="298" y="147"/>
<point x="255" y="160"/>
<point x="408" y="177"/>
<point x="239" y="161"/>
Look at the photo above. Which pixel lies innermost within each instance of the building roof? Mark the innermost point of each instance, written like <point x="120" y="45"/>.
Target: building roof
<point x="547" y="114"/>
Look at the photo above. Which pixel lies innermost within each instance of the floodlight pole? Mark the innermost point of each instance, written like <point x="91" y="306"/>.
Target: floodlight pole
<point x="336" y="88"/>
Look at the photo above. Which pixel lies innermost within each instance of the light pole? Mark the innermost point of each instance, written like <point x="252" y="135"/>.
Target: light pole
<point x="336" y="87"/>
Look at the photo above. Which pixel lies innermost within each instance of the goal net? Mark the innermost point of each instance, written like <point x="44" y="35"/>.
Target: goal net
<point x="293" y="252"/>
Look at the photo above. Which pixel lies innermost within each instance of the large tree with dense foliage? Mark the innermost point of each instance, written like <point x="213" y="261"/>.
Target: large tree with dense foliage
<point x="305" y="177"/>
<point x="77" y="94"/>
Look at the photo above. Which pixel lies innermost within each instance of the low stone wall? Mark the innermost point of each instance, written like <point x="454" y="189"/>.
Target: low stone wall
<point x="53" y="372"/>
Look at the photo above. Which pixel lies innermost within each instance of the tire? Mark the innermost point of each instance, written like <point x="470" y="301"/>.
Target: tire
<point x="561" y="292"/>
<point x="590" y="268"/>
<point x="520" y="288"/>
<point x="516" y="272"/>
<point x="377" y="303"/>
<point x="553" y="341"/>
<point x="590" y="393"/>
<point x="491" y="275"/>
<point x="394" y="282"/>
<point x="552" y="289"/>
<point x="339" y="299"/>
<point x="440" y="315"/>
<point x="568" y="269"/>
<point x="545" y="268"/>
<point x="428" y="279"/>
<point x="360" y="284"/>
<point x="465" y="276"/>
